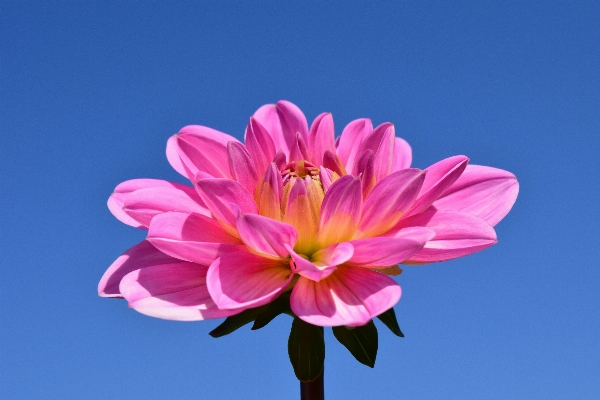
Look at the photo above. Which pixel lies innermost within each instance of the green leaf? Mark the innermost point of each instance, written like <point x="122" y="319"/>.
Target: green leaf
<point x="306" y="348"/>
<point x="361" y="341"/>
<point x="237" y="321"/>
<point x="389" y="319"/>
<point x="280" y="305"/>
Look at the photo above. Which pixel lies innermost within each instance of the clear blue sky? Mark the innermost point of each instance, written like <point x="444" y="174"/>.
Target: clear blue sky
<point x="90" y="92"/>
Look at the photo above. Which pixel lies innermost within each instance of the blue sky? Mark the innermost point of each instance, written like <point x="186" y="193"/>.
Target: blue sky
<point x="90" y="92"/>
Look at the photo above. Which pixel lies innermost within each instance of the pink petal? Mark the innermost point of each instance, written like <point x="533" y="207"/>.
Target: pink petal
<point x="266" y="237"/>
<point x="242" y="279"/>
<point x="381" y="142"/>
<point x="225" y="198"/>
<point x="173" y="156"/>
<point x="456" y="235"/>
<point x="313" y="271"/>
<point x="267" y="116"/>
<point x="385" y="251"/>
<point x="389" y="200"/>
<point x="260" y="145"/>
<point x="191" y="237"/>
<point x="326" y="176"/>
<point x="142" y="255"/>
<point x="153" y="201"/>
<point x="365" y="169"/>
<point x="269" y="192"/>
<point x="203" y="149"/>
<point x="321" y="138"/>
<point x="340" y="211"/>
<point x="350" y="296"/>
<point x="298" y="149"/>
<point x="335" y="254"/>
<point x="486" y="192"/>
<point x="331" y="161"/>
<point x="241" y="166"/>
<point x="171" y="291"/>
<point x="402" y="155"/>
<point x="438" y="178"/>
<point x="351" y="139"/>
<point x="292" y="121"/>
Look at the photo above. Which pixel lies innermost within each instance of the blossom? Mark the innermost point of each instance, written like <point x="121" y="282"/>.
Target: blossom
<point x="294" y="209"/>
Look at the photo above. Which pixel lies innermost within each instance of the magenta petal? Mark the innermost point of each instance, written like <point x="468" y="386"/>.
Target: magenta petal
<point x="142" y="205"/>
<point x="340" y="211"/>
<point x="173" y="156"/>
<point x="191" y="237"/>
<point x="142" y="255"/>
<point x="335" y="254"/>
<point x="389" y="200"/>
<point x="241" y="166"/>
<point x="486" y="192"/>
<point x="265" y="236"/>
<point x="149" y="203"/>
<point x="171" y="291"/>
<point x="321" y="138"/>
<point x="242" y="279"/>
<point x="456" y="235"/>
<point x="225" y="198"/>
<point x="351" y="296"/>
<point x="402" y="155"/>
<point x="292" y="121"/>
<point x="308" y="269"/>
<point x="385" y="251"/>
<point x="326" y="176"/>
<point x="365" y="169"/>
<point x="203" y="149"/>
<point x="332" y="162"/>
<point x="438" y="178"/>
<point x="381" y="142"/>
<point x="260" y="145"/>
<point x="267" y="116"/>
<point x="351" y="139"/>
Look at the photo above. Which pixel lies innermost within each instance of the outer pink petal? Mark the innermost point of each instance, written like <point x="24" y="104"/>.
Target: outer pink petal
<point x="321" y="138"/>
<point x="203" y="149"/>
<point x="142" y="255"/>
<point x="185" y="197"/>
<point x="486" y="192"/>
<point x="260" y="145"/>
<point x="351" y="139"/>
<point x="242" y="280"/>
<point x="381" y="142"/>
<point x="308" y="269"/>
<point x="241" y="166"/>
<point x="365" y="169"/>
<point x="142" y="205"/>
<point x="438" y="178"/>
<point x="265" y="236"/>
<point x="386" y="251"/>
<point x="350" y="296"/>
<point x="173" y="156"/>
<point x="389" y="200"/>
<point x="171" y="291"/>
<point x="225" y="198"/>
<point x="267" y="116"/>
<point x="292" y="121"/>
<point x="456" y="235"/>
<point x="191" y="237"/>
<point x="402" y="155"/>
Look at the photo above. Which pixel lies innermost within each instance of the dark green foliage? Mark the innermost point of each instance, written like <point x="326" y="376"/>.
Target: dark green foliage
<point x="306" y="348"/>
<point x="389" y="319"/>
<point x="280" y="306"/>
<point x="361" y="341"/>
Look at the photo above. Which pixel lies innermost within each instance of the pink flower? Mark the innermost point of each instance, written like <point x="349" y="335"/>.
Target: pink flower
<point x="294" y="209"/>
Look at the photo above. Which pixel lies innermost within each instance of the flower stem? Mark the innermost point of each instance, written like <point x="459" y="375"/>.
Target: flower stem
<point x="314" y="390"/>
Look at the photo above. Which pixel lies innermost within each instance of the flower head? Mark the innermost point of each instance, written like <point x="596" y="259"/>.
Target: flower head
<point x="294" y="209"/>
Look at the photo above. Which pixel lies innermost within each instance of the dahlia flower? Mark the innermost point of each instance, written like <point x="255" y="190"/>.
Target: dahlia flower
<point x="295" y="214"/>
